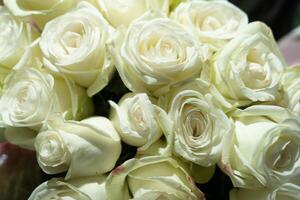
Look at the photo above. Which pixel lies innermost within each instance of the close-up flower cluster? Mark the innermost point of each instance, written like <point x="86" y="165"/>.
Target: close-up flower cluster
<point x="149" y="99"/>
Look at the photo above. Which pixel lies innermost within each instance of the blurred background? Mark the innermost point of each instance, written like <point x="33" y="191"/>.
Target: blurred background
<point x="20" y="174"/>
<point x="281" y="15"/>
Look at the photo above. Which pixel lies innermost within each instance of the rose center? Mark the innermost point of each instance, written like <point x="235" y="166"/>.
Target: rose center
<point x="256" y="72"/>
<point x="72" y="38"/>
<point x="137" y="116"/>
<point x="195" y="122"/>
<point x="22" y="96"/>
<point x="210" y="23"/>
<point x="50" y="148"/>
<point x="160" y="49"/>
<point x="282" y="154"/>
<point x="25" y="99"/>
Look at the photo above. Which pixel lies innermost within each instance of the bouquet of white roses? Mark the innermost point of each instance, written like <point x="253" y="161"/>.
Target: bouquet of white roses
<point x="205" y="88"/>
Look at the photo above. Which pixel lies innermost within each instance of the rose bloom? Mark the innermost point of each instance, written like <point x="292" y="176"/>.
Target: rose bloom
<point x="155" y="53"/>
<point x="91" y="144"/>
<point x="91" y="188"/>
<point x="136" y="119"/>
<point x="75" y="44"/>
<point x="212" y="22"/>
<point x="264" y="149"/>
<point x="30" y="96"/>
<point x="199" y="123"/>
<point x="249" y="67"/>
<point x="153" y="177"/>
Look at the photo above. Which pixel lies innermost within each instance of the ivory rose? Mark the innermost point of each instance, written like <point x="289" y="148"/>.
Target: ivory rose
<point x="248" y="69"/>
<point x="75" y="44"/>
<point x="199" y="123"/>
<point x="212" y="22"/>
<point x="30" y="96"/>
<point x="264" y="149"/>
<point x="86" y="148"/>
<point x="155" y="53"/>
<point x="136" y="119"/>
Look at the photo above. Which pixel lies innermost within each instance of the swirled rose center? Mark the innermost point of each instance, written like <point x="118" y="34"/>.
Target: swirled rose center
<point x="256" y="74"/>
<point x="158" y="48"/>
<point x="256" y="71"/>
<point x="282" y="154"/>
<point x="196" y="120"/>
<point x="209" y="20"/>
<point x="22" y="96"/>
<point x="72" y="38"/>
<point x="51" y="149"/>
<point x="25" y="99"/>
<point x="209" y="23"/>
<point x="138" y="118"/>
<point x="205" y="20"/>
<point x="196" y="123"/>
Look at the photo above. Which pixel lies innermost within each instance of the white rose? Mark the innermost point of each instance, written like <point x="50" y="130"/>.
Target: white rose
<point x="41" y="11"/>
<point x="75" y="44"/>
<point x="92" y="188"/>
<point x="287" y="191"/>
<point x="199" y="122"/>
<point x="264" y="149"/>
<point x="86" y="148"/>
<point x="30" y="96"/>
<point x="15" y="40"/>
<point x="249" y="67"/>
<point x="154" y="53"/>
<point x="152" y="177"/>
<point x="212" y="22"/>
<point x="115" y="10"/>
<point x="291" y="88"/>
<point x="136" y="120"/>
